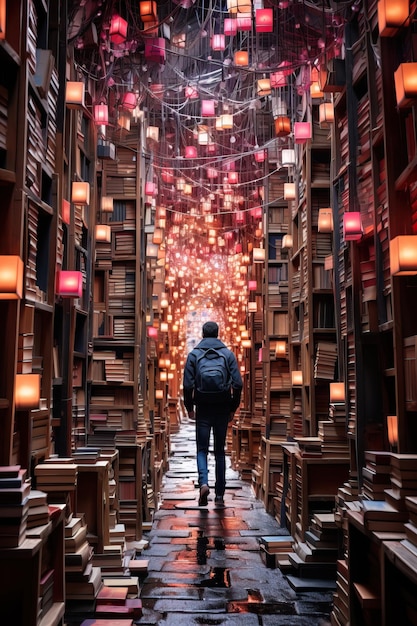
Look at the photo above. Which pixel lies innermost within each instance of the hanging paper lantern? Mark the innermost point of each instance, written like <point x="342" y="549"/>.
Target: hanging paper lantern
<point x="118" y="30"/>
<point x="264" y="20"/>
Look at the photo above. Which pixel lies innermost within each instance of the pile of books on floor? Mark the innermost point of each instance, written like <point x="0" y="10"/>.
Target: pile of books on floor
<point x="274" y="549"/>
<point x="14" y="505"/>
<point x="316" y="557"/>
<point x="82" y="578"/>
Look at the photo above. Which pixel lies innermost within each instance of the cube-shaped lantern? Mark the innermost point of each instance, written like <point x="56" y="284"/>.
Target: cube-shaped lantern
<point x="264" y="20"/>
<point x="325" y="220"/>
<point x="118" y="30"/>
<point x="392" y="15"/>
<point x="302" y="132"/>
<point x="74" y="94"/>
<point x="405" y="78"/>
<point x="352" y="226"/>
<point x="403" y="255"/>
<point x="230" y="26"/>
<point x="69" y="283"/>
<point x="155" y="49"/>
<point x="11" y="277"/>
<point x="27" y="391"/>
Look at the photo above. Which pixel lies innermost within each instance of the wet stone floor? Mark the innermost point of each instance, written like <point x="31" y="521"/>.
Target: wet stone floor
<point x="205" y="565"/>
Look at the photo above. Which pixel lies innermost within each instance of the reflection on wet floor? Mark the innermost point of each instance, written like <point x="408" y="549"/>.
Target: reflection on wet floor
<point x="205" y="565"/>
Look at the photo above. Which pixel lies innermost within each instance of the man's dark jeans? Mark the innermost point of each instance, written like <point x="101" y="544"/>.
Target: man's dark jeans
<point x="205" y="422"/>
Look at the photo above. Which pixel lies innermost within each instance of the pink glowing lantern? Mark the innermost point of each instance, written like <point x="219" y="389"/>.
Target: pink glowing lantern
<point x="230" y="26"/>
<point x="207" y="108"/>
<point x="101" y="114"/>
<point x="69" y="284"/>
<point x="118" y="30"/>
<point x="302" y="132"/>
<point x="352" y="226"/>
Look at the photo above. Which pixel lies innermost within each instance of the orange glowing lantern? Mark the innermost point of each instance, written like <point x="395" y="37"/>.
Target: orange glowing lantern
<point x="80" y="193"/>
<point x="337" y="392"/>
<point x="11" y="277"/>
<point x="326" y="114"/>
<point x="103" y="233"/>
<point x="392" y="428"/>
<point x="296" y="378"/>
<point x="403" y="255"/>
<point x="325" y="220"/>
<point x="74" y="94"/>
<point x="282" y="125"/>
<point x="27" y="391"/>
<point x="241" y="58"/>
<point x="263" y="87"/>
<point x="392" y="15"/>
<point x="405" y="78"/>
<point x="289" y="191"/>
<point x="106" y="204"/>
<point x="281" y="348"/>
<point x="148" y="11"/>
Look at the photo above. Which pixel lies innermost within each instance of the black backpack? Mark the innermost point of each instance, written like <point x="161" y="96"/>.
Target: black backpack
<point x="213" y="379"/>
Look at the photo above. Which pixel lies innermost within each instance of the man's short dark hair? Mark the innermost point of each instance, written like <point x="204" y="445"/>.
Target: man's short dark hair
<point x="210" y="329"/>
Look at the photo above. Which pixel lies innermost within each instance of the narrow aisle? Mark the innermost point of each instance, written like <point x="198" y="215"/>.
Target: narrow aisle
<point x="205" y="565"/>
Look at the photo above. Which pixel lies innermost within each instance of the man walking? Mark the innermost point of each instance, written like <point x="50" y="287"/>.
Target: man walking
<point x="213" y="385"/>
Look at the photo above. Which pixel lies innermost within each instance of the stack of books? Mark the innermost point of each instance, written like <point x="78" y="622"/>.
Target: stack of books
<point x="410" y="527"/>
<point x="115" y="602"/>
<point x="274" y="549"/>
<point x="14" y="505"/>
<point x="38" y="513"/>
<point x="376" y="474"/>
<point x="82" y="579"/>
<point x="380" y="516"/>
<point x="57" y="478"/>
<point x="403" y="479"/>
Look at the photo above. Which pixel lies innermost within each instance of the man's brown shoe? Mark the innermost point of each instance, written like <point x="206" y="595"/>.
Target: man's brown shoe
<point x="204" y="492"/>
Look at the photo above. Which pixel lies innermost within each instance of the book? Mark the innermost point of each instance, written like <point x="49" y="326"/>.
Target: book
<point x="17" y="495"/>
<point x="77" y="560"/>
<point x="13" y="482"/>
<point x="9" y="471"/>
<point x="112" y="595"/>
<point x="381" y="510"/>
<point x="75" y="541"/>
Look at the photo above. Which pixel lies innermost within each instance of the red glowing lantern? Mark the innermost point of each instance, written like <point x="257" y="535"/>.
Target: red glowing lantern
<point x="233" y="178"/>
<point x="129" y="101"/>
<point x="352" y="226"/>
<point x="167" y="175"/>
<point x="69" y="283"/>
<point x="264" y="20"/>
<point x="211" y="172"/>
<point x="260" y="156"/>
<point x="252" y="284"/>
<point x="118" y="29"/>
